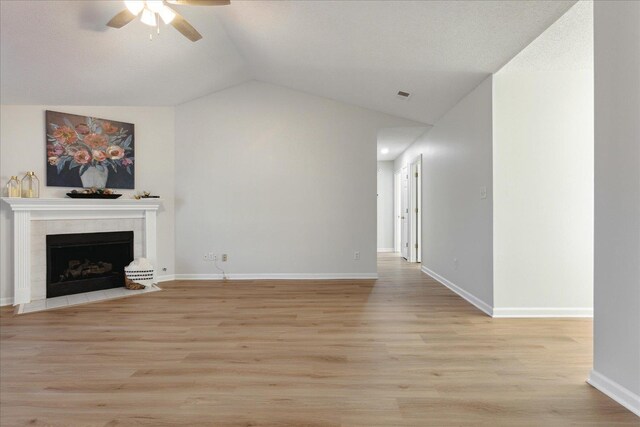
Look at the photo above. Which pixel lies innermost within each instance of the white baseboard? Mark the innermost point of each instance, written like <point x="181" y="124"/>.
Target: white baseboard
<point x="166" y="278"/>
<point x="525" y="312"/>
<point x="280" y="276"/>
<point x="477" y="302"/>
<point x="381" y="250"/>
<point x="620" y="394"/>
<point x="6" y="301"/>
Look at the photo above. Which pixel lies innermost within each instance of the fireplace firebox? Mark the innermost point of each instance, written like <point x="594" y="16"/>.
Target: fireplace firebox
<point x="87" y="262"/>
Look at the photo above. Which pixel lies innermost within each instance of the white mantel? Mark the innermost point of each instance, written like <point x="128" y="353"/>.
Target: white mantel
<point x="25" y="211"/>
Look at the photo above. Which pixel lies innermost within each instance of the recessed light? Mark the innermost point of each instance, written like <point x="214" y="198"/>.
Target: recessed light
<point x="385" y="151"/>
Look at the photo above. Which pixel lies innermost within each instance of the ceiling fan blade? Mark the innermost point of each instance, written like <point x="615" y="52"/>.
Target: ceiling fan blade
<point x="121" y="19"/>
<point x="187" y="30"/>
<point x="200" y="2"/>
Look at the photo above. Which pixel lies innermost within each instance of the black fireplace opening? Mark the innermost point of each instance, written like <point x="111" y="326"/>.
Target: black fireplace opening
<point x="87" y="262"/>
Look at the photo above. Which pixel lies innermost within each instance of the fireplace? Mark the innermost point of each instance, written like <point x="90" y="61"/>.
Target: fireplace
<point x="87" y="262"/>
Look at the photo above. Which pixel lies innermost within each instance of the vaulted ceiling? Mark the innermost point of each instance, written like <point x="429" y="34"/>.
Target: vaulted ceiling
<point x="359" y="52"/>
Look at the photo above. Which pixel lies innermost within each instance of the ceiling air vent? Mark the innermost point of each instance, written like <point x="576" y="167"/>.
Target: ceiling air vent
<point x="404" y="95"/>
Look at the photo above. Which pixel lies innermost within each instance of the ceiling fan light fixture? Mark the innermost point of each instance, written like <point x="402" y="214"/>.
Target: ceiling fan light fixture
<point x="148" y="18"/>
<point x="151" y="12"/>
<point x="167" y="14"/>
<point x="155" y="6"/>
<point x="134" y="6"/>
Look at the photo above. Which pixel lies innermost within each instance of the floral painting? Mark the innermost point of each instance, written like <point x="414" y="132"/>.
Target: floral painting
<point x="89" y="152"/>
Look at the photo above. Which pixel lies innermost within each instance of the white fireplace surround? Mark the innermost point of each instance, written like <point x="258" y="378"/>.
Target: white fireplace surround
<point x="99" y="213"/>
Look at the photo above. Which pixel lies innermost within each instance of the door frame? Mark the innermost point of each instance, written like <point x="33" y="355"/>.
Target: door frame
<point x="415" y="210"/>
<point x="397" y="227"/>
<point x="405" y="232"/>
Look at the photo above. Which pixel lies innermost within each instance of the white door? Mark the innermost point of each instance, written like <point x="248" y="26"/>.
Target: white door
<point x="397" y="213"/>
<point x="404" y="212"/>
<point x="415" y="210"/>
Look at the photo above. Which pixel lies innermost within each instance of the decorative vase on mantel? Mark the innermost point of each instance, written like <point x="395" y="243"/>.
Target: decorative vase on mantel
<point x="95" y="176"/>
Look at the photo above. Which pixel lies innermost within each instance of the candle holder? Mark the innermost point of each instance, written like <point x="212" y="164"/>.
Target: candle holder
<point x="13" y="187"/>
<point x="30" y="186"/>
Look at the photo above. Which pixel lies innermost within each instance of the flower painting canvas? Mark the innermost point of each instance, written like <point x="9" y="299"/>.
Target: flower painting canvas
<point x="89" y="152"/>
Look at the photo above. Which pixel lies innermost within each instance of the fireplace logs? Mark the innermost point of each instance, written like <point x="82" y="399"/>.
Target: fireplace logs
<point x="86" y="269"/>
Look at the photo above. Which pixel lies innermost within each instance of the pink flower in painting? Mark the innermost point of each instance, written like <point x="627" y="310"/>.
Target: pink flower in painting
<point x="127" y="161"/>
<point x="82" y="129"/>
<point x="115" y="152"/>
<point x="108" y="128"/>
<point x="95" y="140"/>
<point x="73" y="149"/>
<point x="65" y="135"/>
<point x="53" y="160"/>
<point x="82" y="157"/>
<point x="54" y="150"/>
<point x="99" y="156"/>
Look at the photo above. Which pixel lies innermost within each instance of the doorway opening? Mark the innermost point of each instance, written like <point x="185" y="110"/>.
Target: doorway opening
<point x="399" y="194"/>
<point x="408" y="210"/>
<point x="415" y="210"/>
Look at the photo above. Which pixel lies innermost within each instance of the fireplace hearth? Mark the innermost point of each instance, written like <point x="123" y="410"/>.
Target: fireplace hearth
<point x="87" y="262"/>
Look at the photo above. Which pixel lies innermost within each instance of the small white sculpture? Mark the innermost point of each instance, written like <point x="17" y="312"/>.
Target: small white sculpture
<point x="140" y="271"/>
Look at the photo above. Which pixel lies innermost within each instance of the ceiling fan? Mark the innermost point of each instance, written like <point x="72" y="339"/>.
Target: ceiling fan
<point x="152" y="11"/>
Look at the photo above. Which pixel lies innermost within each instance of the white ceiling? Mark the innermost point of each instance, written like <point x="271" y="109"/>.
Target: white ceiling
<point x="396" y="140"/>
<point x="360" y="52"/>
<point x="363" y="52"/>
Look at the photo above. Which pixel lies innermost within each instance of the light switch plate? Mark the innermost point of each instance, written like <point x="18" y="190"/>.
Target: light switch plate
<point x="483" y="192"/>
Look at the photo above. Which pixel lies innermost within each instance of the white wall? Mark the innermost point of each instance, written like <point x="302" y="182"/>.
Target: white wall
<point x="22" y="148"/>
<point x="543" y="173"/>
<point x="617" y="201"/>
<point x="282" y="181"/>
<point x="456" y="221"/>
<point x="385" y="206"/>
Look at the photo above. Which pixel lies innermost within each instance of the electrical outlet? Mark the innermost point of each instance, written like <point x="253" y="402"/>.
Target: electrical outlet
<point x="212" y="257"/>
<point x="225" y="257"/>
<point x="356" y="255"/>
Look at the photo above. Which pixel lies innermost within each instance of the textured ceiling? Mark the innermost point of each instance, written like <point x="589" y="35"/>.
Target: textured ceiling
<point x="363" y="52"/>
<point x="567" y="45"/>
<point x="359" y="52"/>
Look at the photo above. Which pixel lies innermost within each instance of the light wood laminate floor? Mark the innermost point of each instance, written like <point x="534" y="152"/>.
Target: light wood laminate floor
<point x="399" y="351"/>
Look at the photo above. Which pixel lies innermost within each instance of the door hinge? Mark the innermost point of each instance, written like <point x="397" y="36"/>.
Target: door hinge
<point x="416" y="210"/>
<point x="416" y="246"/>
<point x="406" y="245"/>
<point x="416" y="174"/>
